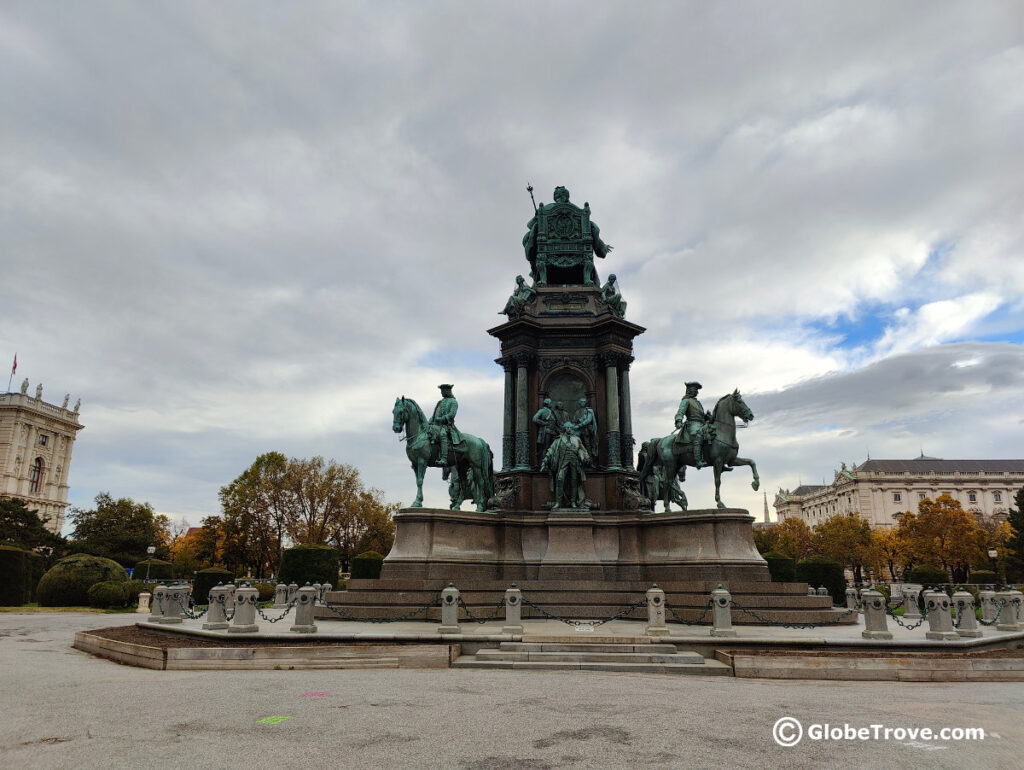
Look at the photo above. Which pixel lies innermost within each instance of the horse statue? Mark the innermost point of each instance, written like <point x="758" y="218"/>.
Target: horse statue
<point x="665" y="459"/>
<point x="474" y="463"/>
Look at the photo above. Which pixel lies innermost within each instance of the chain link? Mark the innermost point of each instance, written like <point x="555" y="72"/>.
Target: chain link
<point x="696" y="622"/>
<point x="474" y="618"/>
<point x="411" y="614"/>
<point x="1002" y="603"/>
<point x="289" y="608"/>
<point x="574" y="622"/>
<point x="189" y="613"/>
<point x="768" y="621"/>
<point x="899" y="621"/>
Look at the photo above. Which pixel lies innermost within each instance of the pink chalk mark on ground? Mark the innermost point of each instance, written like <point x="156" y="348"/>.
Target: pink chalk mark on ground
<point x="314" y="695"/>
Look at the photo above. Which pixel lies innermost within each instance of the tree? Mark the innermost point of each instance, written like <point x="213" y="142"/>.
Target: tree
<point x="794" y="538"/>
<point x="944" y="534"/>
<point x="120" y="530"/>
<point x="22" y="527"/>
<point x="845" y="538"/>
<point x="891" y="549"/>
<point x="307" y="501"/>
<point x="1013" y="548"/>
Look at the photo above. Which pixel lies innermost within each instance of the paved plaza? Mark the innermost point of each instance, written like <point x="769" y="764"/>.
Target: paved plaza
<point x="64" y="708"/>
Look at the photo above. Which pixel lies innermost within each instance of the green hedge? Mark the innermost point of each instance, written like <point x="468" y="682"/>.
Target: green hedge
<point x="267" y="591"/>
<point x="158" y="571"/>
<point x="983" y="577"/>
<point x="132" y="590"/>
<point x="781" y="567"/>
<point x="208" y="578"/>
<point x="819" y="571"/>
<point x="35" y="565"/>
<point x="108" y="593"/>
<point x="366" y="566"/>
<point x="14" y="590"/>
<point x="309" y="564"/>
<point x="928" y="575"/>
<point x="67" y="583"/>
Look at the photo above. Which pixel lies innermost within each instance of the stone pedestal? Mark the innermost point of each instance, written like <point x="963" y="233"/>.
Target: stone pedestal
<point x="967" y="620"/>
<point x="656" y="612"/>
<point x="721" y="610"/>
<point x="875" y="624"/>
<point x="305" y="600"/>
<point x="144" y="598"/>
<point x="449" y="611"/>
<point x="244" y="620"/>
<point x="513" y="611"/>
<point x="216" y="619"/>
<point x="940" y="622"/>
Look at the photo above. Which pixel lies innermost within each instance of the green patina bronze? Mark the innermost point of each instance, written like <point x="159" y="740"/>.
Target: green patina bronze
<point x="562" y="241"/>
<point x="612" y="298"/>
<point x="564" y="461"/>
<point x="437" y="443"/>
<point x="586" y="428"/>
<point x="520" y="298"/>
<point x="667" y="458"/>
<point x="547" y="423"/>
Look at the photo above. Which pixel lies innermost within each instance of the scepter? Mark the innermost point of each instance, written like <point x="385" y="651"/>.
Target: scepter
<point x="529" y="189"/>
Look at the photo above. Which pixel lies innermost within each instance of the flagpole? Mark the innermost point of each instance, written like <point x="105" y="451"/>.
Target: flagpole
<point x="13" y="370"/>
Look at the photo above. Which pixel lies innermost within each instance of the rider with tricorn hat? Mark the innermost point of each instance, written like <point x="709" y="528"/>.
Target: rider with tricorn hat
<point x="444" y="423"/>
<point x="691" y="420"/>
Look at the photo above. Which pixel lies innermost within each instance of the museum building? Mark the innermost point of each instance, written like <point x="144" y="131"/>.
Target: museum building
<point x="878" y="490"/>
<point x="35" y="452"/>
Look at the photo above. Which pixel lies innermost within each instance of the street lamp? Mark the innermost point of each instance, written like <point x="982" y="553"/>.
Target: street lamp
<point x="150" y="550"/>
<point x="992" y="554"/>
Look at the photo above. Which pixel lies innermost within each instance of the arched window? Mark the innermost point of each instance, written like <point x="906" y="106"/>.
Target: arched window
<point x="35" y="479"/>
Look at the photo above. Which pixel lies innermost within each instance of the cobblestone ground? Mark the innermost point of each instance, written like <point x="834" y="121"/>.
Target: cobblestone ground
<point x="62" y="708"/>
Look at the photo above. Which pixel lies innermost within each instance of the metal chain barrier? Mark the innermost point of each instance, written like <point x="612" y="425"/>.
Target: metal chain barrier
<point x="696" y="622"/>
<point x="289" y="608"/>
<point x="474" y="618"/>
<point x="770" y="622"/>
<point x="189" y="613"/>
<point x="1002" y="603"/>
<point x="574" y="622"/>
<point x="411" y="614"/>
<point x="228" y="617"/>
<point x="899" y="621"/>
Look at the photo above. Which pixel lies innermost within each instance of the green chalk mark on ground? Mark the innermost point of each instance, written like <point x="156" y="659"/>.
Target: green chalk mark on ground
<point x="271" y="720"/>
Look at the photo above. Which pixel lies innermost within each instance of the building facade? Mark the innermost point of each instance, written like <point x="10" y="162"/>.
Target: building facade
<point x="878" y="490"/>
<point x="35" y="452"/>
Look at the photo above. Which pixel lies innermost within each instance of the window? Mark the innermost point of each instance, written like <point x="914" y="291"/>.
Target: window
<point x="36" y="477"/>
<point x="997" y="496"/>
<point x="920" y="495"/>
<point x="972" y="497"/>
<point x="897" y="497"/>
<point x="42" y="439"/>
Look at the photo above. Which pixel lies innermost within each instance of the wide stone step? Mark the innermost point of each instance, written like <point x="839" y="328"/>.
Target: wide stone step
<point x="664" y="649"/>
<point x="591" y="657"/>
<point x="707" y="668"/>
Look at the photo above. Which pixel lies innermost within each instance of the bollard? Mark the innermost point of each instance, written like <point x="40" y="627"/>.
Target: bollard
<point x="293" y="589"/>
<point x="175" y="602"/>
<point x="280" y="596"/>
<point x="966" y="619"/>
<point x="304" y="610"/>
<point x="449" y="610"/>
<point x="318" y="588"/>
<point x="851" y="598"/>
<point x="940" y="622"/>
<point x="1018" y="603"/>
<point x="244" y="621"/>
<point x="513" y="611"/>
<point x="216" y="619"/>
<point x="989" y="608"/>
<point x="721" y="604"/>
<point x="656" y="612"/>
<point x="811" y="591"/>
<point x="822" y="591"/>
<point x="159" y="604"/>
<point x="911" y="602"/>
<point x="1008" y="617"/>
<point x="875" y="624"/>
<point x="144" y="598"/>
<point x="323" y="591"/>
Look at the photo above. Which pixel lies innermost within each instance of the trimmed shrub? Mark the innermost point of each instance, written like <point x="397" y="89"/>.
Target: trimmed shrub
<point x="819" y="571"/>
<point x="366" y="566"/>
<point x="132" y="590"/>
<point x="781" y="567"/>
<point x="14" y="590"/>
<point x="160" y="570"/>
<point x="266" y="590"/>
<point x="309" y="564"/>
<point x="983" y="577"/>
<point x="206" y="579"/>
<point x="928" y="575"/>
<point x="35" y="566"/>
<point x="108" y="593"/>
<point x="67" y="583"/>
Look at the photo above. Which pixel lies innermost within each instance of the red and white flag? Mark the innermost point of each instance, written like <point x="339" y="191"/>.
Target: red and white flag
<point x="15" y="367"/>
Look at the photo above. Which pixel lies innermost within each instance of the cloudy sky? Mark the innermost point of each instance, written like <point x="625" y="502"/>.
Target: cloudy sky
<point x="239" y="227"/>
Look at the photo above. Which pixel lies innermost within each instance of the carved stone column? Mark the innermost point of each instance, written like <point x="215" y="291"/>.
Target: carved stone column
<point x="626" y="415"/>
<point x="611" y="381"/>
<point x="508" y="436"/>
<point x="522" y="418"/>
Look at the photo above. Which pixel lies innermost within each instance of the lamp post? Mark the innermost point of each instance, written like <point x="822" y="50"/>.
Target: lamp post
<point x="993" y="554"/>
<point x="150" y="550"/>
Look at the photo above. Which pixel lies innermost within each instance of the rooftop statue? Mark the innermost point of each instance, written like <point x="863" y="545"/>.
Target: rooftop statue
<point x="521" y="297"/>
<point x="612" y="298"/>
<point x="562" y="239"/>
<point x="668" y="457"/>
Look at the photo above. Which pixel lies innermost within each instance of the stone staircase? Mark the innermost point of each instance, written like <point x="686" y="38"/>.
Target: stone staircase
<point x="593" y="656"/>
